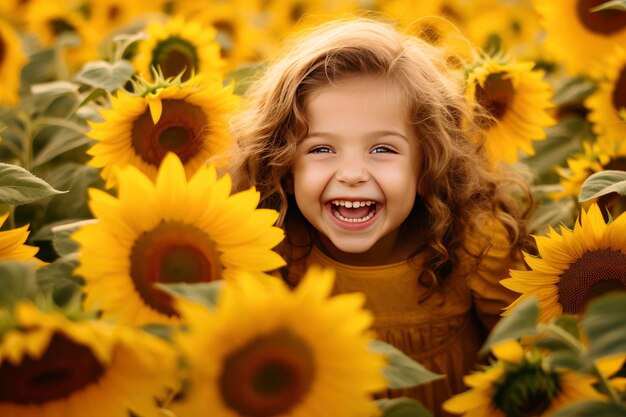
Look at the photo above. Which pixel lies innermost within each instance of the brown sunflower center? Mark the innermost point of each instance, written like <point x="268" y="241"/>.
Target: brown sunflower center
<point x="3" y="50"/>
<point x="113" y="13"/>
<point x="495" y="97"/>
<point x="603" y="22"/>
<point x="619" y="92"/>
<point x="59" y="25"/>
<point x="593" y="274"/>
<point x="297" y="10"/>
<point x="182" y="129"/>
<point x="170" y="253"/>
<point x="430" y="34"/>
<point x="267" y="376"/>
<point x="225" y="37"/>
<point x="527" y="392"/>
<point x="174" y="55"/>
<point x="616" y="164"/>
<point x="64" y="368"/>
<point x="448" y="10"/>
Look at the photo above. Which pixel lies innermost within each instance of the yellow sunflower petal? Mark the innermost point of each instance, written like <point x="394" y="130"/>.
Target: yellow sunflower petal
<point x="159" y="232"/>
<point x="326" y="365"/>
<point x="509" y="351"/>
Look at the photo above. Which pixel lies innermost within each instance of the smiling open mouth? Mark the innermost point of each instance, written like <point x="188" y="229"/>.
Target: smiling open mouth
<point x="354" y="211"/>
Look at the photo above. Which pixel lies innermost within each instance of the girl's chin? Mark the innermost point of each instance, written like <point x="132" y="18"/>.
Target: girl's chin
<point x="350" y="252"/>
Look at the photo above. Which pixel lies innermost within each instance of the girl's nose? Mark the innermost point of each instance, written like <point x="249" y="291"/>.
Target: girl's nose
<point x="352" y="171"/>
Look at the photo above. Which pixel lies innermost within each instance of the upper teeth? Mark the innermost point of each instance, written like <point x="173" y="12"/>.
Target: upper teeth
<point x="351" y="204"/>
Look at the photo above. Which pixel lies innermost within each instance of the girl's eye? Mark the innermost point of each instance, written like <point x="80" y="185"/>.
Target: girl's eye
<point x="383" y="149"/>
<point x="320" y="149"/>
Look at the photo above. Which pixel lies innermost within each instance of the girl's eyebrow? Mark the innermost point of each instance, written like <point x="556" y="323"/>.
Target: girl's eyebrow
<point x="374" y="134"/>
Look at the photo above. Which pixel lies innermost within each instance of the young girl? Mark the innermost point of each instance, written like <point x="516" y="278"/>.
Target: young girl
<point x="359" y="136"/>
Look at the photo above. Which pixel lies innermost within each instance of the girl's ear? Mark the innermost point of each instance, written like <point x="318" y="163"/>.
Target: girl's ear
<point x="287" y="182"/>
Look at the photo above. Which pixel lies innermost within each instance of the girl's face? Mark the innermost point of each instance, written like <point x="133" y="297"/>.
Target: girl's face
<point x="355" y="173"/>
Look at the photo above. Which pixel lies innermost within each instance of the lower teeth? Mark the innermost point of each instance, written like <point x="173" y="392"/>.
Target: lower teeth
<point x="359" y="220"/>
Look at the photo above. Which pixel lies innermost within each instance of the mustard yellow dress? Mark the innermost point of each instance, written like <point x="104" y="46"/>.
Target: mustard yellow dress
<point x="443" y="332"/>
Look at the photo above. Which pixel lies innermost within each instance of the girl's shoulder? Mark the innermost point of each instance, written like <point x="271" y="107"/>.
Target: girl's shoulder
<point x="487" y="236"/>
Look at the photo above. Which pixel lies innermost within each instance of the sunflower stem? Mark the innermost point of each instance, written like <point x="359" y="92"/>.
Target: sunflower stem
<point x="606" y="386"/>
<point x="12" y="148"/>
<point x="44" y="122"/>
<point x="27" y="145"/>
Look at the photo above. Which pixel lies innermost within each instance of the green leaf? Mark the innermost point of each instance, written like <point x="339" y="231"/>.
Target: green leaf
<point x="610" y="5"/>
<point x="101" y="74"/>
<point x="59" y="271"/>
<point x="569" y="323"/>
<point x="45" y="231"/>
<point x="59" y="279"/>
<point x="93" y="95"/>
<point x="64" y="141"/>
<point x="602" y="183"/>
<point x="18" y="186"/>
<point x="40" y="66"/>
<point x="17" y="282"/>
<point x="244" y="76"/>
<point x="123" y="44"/>
<point x="522" y="321"/>
<point x="402" y="407"/>
<point x="62" y="237"/>
<point x="562" y="141"/>
<point x="205" y="293"/>
<point x="552" y="213"/>
<point x="573" y="90"/>
<point x="591" y="408"/>
<point x="54" y="88"/>
<point x="77" y="178"/>
<point x="162" y="331"/>
<point x="605" y="326"/>
<point x="565" y="359"/>
<point x="402" y="371"/>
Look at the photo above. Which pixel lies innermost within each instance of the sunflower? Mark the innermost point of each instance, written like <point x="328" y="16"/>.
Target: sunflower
<point x="607" y="106"/>
<point x="108" y="15"/>
<point x="274" y="352"/>
<point x="11" y="61"/>
<point x="519" y="384"/>
<point x="595" y="158"/>
<point x="287" y="16"/>
<point x="173" y="230"/>
<point x="12" y="245"/>
<point x="573" y="267"/>
<point x="51" y="366"/>
<point x="406" y="11"/>
<point x="587" y="36"/>
<point x="239" y="40"/>
<point x="189" y="119"/>
<point x="14" y="10"/>
<point x="516" y="101"/>
<point x="507" y="27"/>
<point x="442" y="33"/>
<point x="51" y="20"/>
<point x="179" y="46"/>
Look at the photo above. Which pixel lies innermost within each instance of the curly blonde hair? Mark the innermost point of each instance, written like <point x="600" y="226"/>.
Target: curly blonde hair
<point x="457" y="188"/>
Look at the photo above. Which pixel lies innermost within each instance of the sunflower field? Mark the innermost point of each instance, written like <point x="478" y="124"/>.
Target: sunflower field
<point x="135" y="283"/>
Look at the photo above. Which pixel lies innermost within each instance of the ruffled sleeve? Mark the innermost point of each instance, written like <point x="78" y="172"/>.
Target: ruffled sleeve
<point x="489" y="296"/>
